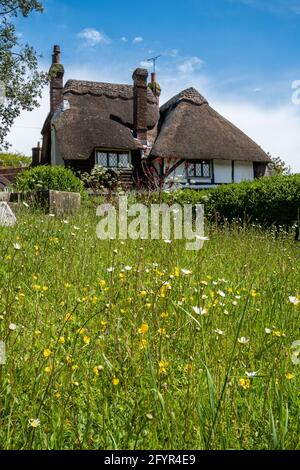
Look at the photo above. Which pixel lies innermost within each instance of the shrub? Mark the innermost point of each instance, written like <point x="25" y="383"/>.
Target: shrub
<point x="268" y="201"/>
<point x="56" y="178"/>
<point x="101" y="179"/>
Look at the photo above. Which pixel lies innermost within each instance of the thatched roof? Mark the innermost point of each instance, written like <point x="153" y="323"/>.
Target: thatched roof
<point x="100" y="115"/>
<point x="190" y="129"/>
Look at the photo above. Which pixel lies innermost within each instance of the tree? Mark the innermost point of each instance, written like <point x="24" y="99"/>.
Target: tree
<point x="279" y="167"/>
<point x="20" y="76"/>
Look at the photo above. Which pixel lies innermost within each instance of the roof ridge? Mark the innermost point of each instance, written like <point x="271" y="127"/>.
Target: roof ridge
<point x="190" y="95"/>
<point x="107" y="89"/>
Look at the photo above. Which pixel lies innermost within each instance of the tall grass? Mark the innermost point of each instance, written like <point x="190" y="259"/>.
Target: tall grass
<point x="107" y="349"/>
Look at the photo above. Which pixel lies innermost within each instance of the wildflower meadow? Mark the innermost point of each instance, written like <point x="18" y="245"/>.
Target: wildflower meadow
<point x="145" y="345"/>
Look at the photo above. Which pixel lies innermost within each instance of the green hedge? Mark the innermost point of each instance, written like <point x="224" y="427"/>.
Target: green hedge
<point x="12" y="160"/>
<point x="267" y="201"/>
<point x="56" y="178"/>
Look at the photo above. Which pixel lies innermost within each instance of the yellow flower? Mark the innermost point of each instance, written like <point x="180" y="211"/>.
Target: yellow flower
<point x="143" y="329"/>
<point x="48" y="369"/>
<point x="57" y="395"/>
<point x="164" y="315"/>
<point x="162" y="367"/>
<point x="103" y="325"/>
<point x="115" y="381"/>
<point x="74" y="368"/>
<point x="8" y="258"/>
<point x="143" y="344"/>
<point x="148" y="306"/>
<point x="162" y="331"/>
<point x="34" y="277"/>
<point x="69" y="317"/>
<point x="122" y="276"/>
<point x="188" y="368"/>
<point x="36" y="287"/>
<point x="97" y="370"/>
<point x="143" y="293"/>
<point x="86" y="339"/>
<point x="81" y="331"/>
<point x="102" y="283"/>
<point x="45" y="288"/>
<point x="61" y="340"/>
<point x="94" y="299"/>
<point x="278" y="334"/>
<point x="245" y="384"/>
<point x="47" y="353"/>
<point x="69" y="359"/>
<point x="289" y="376"/>
<point x="177" y="271"/>
<point x="67" y="285"/>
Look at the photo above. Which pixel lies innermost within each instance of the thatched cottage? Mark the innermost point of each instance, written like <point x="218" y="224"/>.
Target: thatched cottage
<point x="123" y="127"/>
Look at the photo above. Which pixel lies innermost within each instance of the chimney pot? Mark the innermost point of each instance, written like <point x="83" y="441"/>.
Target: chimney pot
<point x="56" y="55"/>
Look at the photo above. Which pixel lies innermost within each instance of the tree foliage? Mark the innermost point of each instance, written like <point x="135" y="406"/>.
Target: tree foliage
<point x="279" y="167"/>
<point x="20" y="76"/>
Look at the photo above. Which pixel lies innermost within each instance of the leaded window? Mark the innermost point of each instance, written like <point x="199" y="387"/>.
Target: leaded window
<point x="112" y="159"/>
<point x="201" y="169"/>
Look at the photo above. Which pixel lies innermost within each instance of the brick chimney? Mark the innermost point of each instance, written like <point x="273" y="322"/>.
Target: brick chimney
<point x="56" y="73"/>
<point x="140" y="89"/>
<point x="36" y="155"/>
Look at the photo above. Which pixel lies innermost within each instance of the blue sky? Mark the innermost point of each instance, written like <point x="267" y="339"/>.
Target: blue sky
<point x="243" y="55"/>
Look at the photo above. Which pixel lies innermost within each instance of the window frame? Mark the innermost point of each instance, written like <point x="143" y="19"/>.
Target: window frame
<point x="118" y="153"/>
<point x="195" y="164"/>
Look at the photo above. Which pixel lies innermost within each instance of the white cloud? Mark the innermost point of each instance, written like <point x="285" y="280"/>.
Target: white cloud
<point x="146" y="64"/>
<point x="138" y="39"/>
<point x="92" y="37"/>
<point x="124" y="39"/>
<point x="174" y="52"/>
<point x="190" y="65"/>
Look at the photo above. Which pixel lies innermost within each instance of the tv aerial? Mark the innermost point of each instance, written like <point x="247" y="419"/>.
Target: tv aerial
<point x="154" y="60"/>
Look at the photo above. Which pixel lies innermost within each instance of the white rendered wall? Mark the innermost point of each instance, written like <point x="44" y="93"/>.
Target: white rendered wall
<point x="223" y="171"/>
<point x="243" y="171"/>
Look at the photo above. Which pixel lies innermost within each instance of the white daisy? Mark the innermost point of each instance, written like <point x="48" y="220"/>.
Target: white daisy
<point x="244" y="340"/>
<point x="294" y="300"/>
<point x="186" y="272"/>
<point x="34" y="422"/>
<point x="251" y="374"/>
<point x="219" y="332"/>
<point x="199" y="311"/>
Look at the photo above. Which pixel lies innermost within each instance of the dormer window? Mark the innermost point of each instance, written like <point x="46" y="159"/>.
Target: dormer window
<point x="112" y="159"/>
